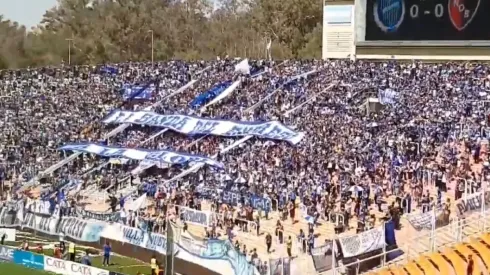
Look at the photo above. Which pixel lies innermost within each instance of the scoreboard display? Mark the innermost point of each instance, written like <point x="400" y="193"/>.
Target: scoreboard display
<point x="435" y="20"/>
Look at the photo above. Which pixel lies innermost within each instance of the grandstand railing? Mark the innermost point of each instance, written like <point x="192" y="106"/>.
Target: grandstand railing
<point x="459" y="230"/>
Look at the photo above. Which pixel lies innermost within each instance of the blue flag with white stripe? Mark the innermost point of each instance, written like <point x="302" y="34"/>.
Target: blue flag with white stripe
<point x="109" y="69"/>
<point x="137" y="92"/>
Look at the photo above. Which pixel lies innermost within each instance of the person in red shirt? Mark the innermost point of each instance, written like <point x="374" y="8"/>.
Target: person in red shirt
<point x="57" y="252"/>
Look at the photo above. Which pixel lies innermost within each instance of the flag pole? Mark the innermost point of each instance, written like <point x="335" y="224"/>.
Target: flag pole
<point x="334" y="245"/>
<point x="483" y="190"/>
<point x="433" y="229"/>
<point x="384" y="245"/>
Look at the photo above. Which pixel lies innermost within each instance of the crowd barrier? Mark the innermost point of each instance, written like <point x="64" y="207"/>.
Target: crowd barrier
<point x="211" y="257"/>
<point x="471" y="219"/>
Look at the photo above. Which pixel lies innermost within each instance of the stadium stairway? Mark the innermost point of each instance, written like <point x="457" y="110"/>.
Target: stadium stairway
<point x="453" y="243"/>
<point x="451" y="260"/>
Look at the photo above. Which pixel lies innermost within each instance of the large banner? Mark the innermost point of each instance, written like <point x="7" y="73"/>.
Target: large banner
<point x="191" y="125"/>
<point x="473" y="203"/>
<point x="157" y="156"/>
<point x="82" y="230"/>
<point x="193" y="216"/>
<point x="72" y="227"/>
<point x="137" y="237"/>
<point x="363" y="242"/>
<point x="44" y="224"/>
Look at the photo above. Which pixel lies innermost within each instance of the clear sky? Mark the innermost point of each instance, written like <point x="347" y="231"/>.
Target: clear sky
<point x="27" y="12"/>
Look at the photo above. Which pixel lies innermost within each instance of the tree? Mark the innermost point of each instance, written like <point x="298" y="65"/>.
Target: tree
<point x="119" y="30"/>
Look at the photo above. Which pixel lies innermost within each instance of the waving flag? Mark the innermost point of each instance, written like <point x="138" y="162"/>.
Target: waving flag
<point x="387" y="96"/>
<point x="131" y="92"/>
<point x="209" y="95"/>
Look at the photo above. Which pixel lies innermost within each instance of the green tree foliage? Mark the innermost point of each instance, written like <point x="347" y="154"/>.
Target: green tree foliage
<point x="99" y="31"/>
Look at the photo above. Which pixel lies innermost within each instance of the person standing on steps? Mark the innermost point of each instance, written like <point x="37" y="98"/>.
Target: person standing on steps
<point x="289" y="246"/>
<point x="470" y="266"/>
<point x="268" y="242"/>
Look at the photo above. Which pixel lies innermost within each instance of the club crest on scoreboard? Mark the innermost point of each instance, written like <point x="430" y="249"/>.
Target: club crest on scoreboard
<point x="462" y="12"/>
<point x="389" y="14"/>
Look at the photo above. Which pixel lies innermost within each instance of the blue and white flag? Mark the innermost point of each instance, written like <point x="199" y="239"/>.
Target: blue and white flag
<point x="141" y="154"/>
<point x="138" y="92"/>
<point x="210" y="94"/>
<point x="387" y="96"/>
<point x="190" y="125"/>
<point x="109" y="70"/>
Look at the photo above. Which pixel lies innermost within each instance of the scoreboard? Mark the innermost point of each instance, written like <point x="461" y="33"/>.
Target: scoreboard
<point x="427" y="20"/>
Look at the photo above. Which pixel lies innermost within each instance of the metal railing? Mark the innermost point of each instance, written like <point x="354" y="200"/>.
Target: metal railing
<point x="459" y="230"/>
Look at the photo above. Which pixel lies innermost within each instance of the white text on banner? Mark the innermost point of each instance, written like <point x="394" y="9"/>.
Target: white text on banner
<point x="157" y="156"/>
<point x="196" y="217"/>
<point x="204" y="126"/>
<point x="363" y="242"/>
<point x="60" y="266"/>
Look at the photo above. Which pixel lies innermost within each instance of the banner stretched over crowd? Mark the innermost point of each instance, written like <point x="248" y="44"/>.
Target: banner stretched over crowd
<point x="141" y="154"/>
<point x="191" y="125"/>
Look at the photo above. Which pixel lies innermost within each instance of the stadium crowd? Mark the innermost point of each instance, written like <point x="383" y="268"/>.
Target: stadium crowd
<point x="353" y="155"/>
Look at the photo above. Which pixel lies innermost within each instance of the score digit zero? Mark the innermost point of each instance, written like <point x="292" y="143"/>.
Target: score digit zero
<point x="438" y="10"/>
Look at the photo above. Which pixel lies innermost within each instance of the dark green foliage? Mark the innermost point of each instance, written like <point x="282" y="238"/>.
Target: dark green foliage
<point x="115" y="31"/>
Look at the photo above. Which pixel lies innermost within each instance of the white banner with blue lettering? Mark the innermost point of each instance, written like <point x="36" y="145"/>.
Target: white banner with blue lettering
<point x="193" y="216"/>
<point x="82" y="230"/>
<point x="191" y="125"/>
<point x="157" y="156"/>
<point x="138" y="237"/>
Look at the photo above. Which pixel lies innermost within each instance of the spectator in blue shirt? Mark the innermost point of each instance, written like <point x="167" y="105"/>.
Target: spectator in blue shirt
<point x="86" y="259"/>
<point x="122" y="200"/>
<point x="107" y="254"/>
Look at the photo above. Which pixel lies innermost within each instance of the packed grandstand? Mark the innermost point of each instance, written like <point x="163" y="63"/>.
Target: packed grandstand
<point x="269" y="167"/>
